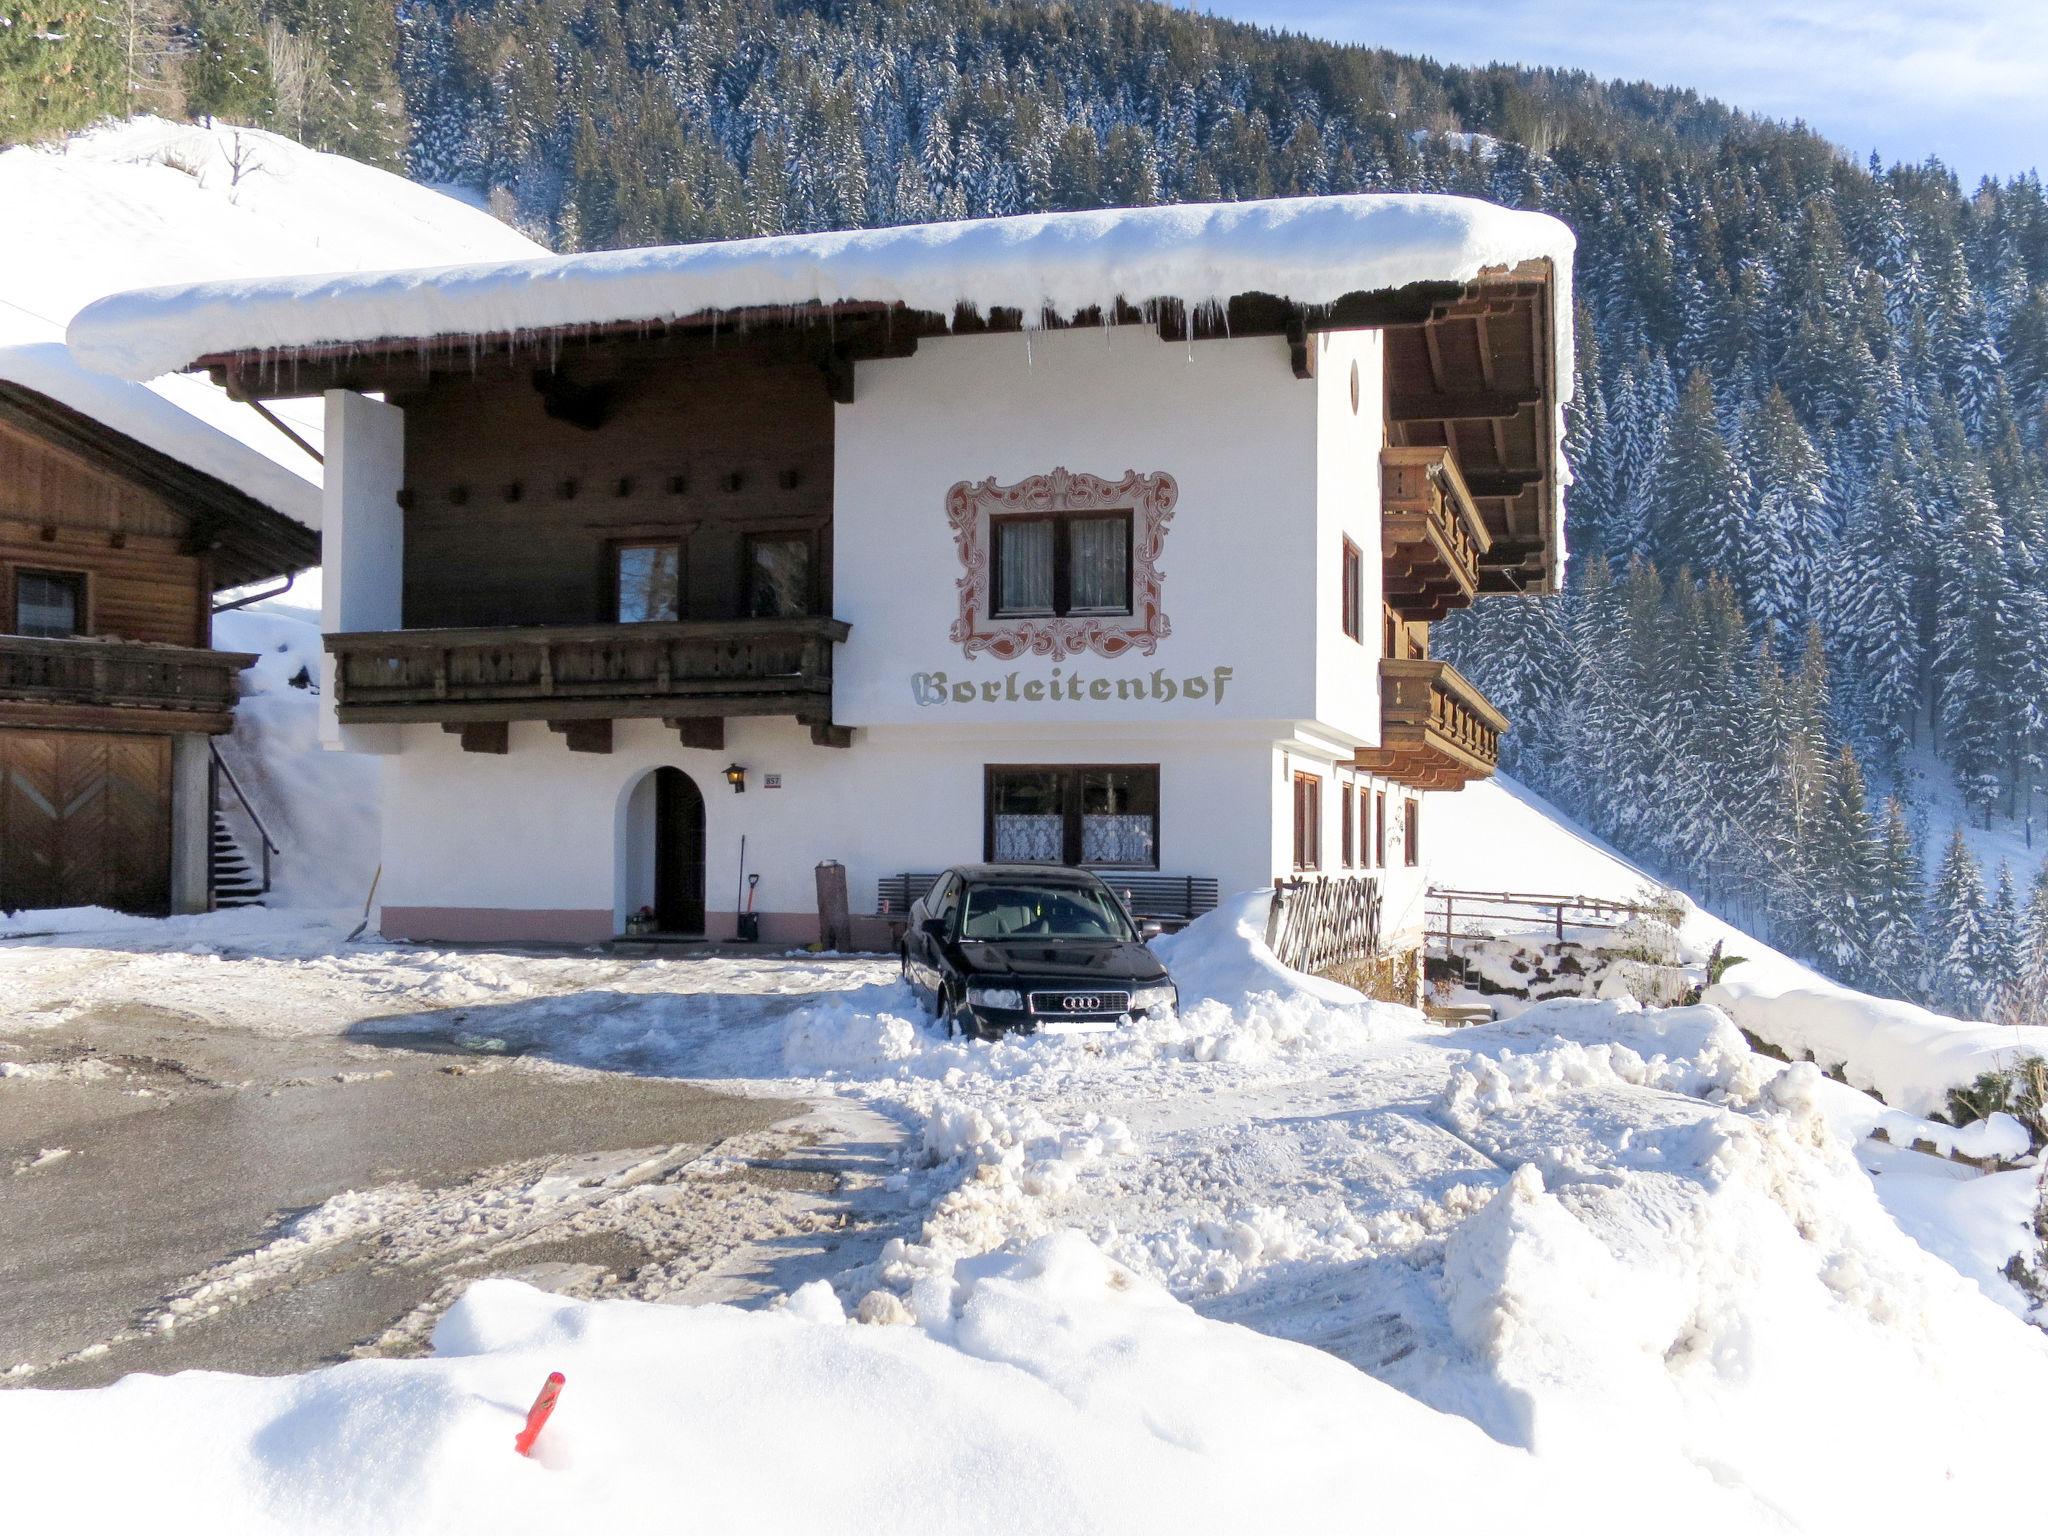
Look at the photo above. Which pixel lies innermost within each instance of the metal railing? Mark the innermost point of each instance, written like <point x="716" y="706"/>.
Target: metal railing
<point x="219" y="773"/>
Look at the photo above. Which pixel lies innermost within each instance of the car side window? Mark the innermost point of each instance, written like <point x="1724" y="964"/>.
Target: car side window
<point x="948" y="901"/>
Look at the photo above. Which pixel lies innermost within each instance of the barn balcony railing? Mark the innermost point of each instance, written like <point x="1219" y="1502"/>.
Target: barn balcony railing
<point x="1437" y="731"/>
<point x="90" y="682"/>
<point x="696" y="669"/>
<point x="1431" y="535"/>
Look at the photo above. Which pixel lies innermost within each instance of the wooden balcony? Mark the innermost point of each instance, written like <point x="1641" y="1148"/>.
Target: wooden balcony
<point x="116" y="685"/>
<point x="1436" y="730"/>
<point x="1431" y="535"/>
<point x="696" y="671"/>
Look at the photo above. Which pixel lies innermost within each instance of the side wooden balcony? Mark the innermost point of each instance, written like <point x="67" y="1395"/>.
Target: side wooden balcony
<point x="1431" y="534"/>
<point x="693" y="674"/>
<point x="116" y="685"/>
<point x="1437" y="731"/>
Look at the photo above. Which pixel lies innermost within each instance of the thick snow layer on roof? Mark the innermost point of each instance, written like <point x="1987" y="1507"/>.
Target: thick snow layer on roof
<point x="1308" y="250"/>
<point x="149" y="201"/>
<point x="136" y="411"/>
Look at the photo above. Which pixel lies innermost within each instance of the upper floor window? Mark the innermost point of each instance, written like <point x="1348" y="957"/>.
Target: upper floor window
<point x="649" y="581"/>
<point x="49" y="604"/>
<point x="1060" y="563"/>
<point x="778" y="575"/>
<point x="1354" y="592"/>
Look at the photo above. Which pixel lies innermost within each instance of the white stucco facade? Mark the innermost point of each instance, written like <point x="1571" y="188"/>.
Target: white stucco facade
<point x="1250" y="680"/>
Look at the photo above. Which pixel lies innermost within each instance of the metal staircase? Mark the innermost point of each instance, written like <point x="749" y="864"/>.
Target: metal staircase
<point x="231" y="880"/>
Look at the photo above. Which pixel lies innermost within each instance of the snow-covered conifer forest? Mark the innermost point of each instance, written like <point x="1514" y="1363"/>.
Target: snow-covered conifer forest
<point x="1806" y="629"/>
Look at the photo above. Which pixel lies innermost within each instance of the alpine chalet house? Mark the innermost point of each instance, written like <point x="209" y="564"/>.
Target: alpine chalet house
<point x="1110" y="539"/>
<point x="121" y="515"/>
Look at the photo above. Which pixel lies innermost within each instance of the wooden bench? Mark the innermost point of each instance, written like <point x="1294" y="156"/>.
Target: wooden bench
<point x="1174" y="900"/>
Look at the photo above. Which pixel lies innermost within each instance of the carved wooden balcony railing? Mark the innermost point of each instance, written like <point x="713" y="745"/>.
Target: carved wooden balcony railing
<point x="94" y="684"/>
<point x="695" y="670"/>
<point x="1437" y="731"/>
<point x="1431" y="536"/>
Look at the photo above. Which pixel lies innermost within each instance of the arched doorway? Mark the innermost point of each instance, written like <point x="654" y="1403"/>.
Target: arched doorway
<point x="678" y="853"/>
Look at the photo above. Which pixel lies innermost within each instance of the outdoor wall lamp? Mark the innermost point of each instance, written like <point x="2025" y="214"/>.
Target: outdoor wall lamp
<point x="736" y="776"/>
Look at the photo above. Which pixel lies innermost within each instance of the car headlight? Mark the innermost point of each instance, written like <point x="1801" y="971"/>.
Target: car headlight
<point x="1162" y="998"/>
<point x="996" y="997"/>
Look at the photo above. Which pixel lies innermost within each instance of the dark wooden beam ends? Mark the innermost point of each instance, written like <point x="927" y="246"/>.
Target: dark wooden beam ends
<point x="707" y="734"/>
<point x="1462" y="405"/>
<point x="492" y="736"/>
<point x="1488" y="484"/>
<point x="825" y="734"/>
<point x="1301" y="351"/>
<point x="584" y="735"/>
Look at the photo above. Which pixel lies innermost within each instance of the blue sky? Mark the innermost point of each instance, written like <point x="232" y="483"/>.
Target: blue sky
<point x="1963" y="79"/>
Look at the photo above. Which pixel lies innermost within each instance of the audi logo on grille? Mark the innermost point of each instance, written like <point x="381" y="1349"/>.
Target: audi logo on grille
<point x="1081" y="1002"/>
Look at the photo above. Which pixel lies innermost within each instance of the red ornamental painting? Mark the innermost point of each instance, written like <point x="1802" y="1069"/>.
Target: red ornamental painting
<point x="1148" y="499"/>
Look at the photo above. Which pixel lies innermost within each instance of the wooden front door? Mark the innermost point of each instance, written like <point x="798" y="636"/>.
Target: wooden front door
<point x="678" y="853"/>
<point x="85" y="820"/>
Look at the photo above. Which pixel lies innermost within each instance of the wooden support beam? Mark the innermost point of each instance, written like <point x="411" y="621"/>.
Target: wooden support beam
<point x="493" y="736"/>
<point x="825" y="734"/>
<point x="1300" y="350"/>
<point x="707" y="733"/>
<point x="1459" y="405"/>
<point x="584" y="735"/>
<point x="1506" y="482"/>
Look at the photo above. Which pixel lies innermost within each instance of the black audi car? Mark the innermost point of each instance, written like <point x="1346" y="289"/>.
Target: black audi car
<point x="999" y="947"/>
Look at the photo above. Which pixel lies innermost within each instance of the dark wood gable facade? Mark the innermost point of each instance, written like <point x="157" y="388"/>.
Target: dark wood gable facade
<point x="110" y="553"/>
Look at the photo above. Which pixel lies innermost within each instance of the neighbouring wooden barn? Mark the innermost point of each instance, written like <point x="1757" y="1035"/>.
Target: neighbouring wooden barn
<point x="112" y="546"/>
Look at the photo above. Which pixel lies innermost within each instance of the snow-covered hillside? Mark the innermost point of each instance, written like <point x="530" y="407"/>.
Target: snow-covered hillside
<point x="148" y="201"/>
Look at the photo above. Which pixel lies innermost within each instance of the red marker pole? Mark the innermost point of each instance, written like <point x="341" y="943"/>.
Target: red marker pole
<point x="537" y="1415"/>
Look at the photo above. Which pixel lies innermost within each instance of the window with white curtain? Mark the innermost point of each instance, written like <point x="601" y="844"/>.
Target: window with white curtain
<point x="1060" y="563"/>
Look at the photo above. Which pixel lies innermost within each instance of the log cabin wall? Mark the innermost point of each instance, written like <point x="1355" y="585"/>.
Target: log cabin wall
<point x="512" y="513"/>
<point x="60" y="513"/>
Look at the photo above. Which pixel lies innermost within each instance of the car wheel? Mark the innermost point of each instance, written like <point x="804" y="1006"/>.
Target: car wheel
<point x="959" y="1022"/>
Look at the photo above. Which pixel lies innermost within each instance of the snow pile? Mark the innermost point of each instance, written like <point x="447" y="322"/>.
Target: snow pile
<point x="1312" y="251"/>
<point x="147" y="201"/>
<point x="1055" y="1392"/>
<point x="1906" y="1054"/>
<point x="320" y="807"/>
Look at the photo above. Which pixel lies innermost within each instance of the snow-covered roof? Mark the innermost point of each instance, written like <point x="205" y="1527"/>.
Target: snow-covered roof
<point x="140" y="413"/>
<point x="1308" y="251"/>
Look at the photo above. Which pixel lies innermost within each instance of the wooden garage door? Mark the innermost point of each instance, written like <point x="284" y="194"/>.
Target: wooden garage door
<point x="85" y="820"/>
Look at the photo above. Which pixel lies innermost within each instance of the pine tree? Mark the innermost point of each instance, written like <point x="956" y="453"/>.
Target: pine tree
<point x="1898" y="946"/>
<point x="1957" y="918"/>
<point x="1844" y="866"/>
<point x="2005" y="937"/>
<point x="1702" y="500"/>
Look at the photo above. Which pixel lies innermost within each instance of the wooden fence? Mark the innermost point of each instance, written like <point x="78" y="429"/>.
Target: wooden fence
<point x="1324" y="920"/>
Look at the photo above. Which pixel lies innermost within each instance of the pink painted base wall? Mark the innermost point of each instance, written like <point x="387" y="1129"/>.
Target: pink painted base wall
<point x="571" y="925"/>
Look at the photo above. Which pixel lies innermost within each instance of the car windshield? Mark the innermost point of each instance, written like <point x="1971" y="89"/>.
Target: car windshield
<point x="998" y="912"/>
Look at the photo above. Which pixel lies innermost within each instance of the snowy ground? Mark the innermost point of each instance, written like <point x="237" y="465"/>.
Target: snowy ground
<point x="1564" y="1270"/>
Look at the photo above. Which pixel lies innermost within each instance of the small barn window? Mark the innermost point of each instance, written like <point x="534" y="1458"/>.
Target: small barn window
<point x="49" y="604"/>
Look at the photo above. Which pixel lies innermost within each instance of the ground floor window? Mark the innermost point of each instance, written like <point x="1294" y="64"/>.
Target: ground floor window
<point x="1350" y="829"/>
<point x="1308" y="821"/>
<point x="1411" y="832"/>
<point x="1379" y="829"/>
<point x="1098" y="815"/>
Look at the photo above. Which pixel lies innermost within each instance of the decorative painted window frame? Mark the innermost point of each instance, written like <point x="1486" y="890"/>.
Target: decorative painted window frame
<point x="1149" y="499"/>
